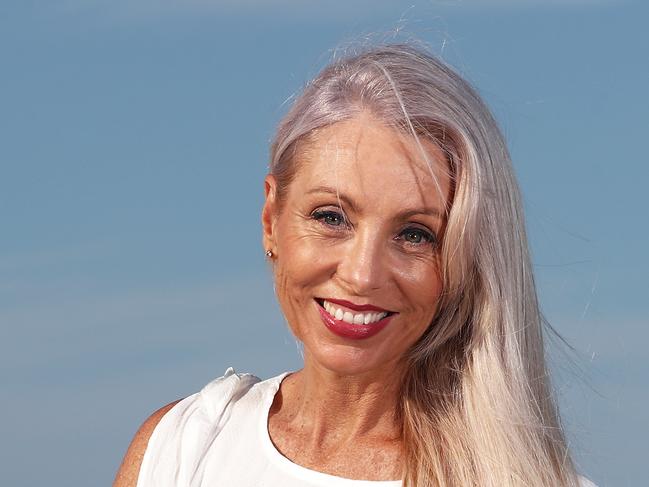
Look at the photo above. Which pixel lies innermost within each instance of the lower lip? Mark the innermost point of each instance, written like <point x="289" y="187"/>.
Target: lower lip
<point x="350" y="330"/>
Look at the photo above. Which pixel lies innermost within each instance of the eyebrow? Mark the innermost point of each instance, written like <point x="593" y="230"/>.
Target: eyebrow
<point x="349" y="202"/>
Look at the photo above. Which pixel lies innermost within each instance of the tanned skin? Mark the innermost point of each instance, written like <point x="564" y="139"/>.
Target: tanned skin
<point x="130" y="468"/>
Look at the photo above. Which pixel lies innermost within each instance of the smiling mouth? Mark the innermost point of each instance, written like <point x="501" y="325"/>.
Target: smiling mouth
<point x="351" y="316"/>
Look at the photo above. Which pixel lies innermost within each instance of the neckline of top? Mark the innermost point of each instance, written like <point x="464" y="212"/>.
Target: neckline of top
<point x="293" y="469"/>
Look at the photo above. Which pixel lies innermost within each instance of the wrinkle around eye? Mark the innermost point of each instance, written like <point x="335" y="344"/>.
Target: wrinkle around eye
<point x="305" y="226"/>
<point x="312" y="236"/>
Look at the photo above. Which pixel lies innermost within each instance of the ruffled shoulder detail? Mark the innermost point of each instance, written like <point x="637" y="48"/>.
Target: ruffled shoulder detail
<point x="218" y="396"/>
<point x="182" y="437"/>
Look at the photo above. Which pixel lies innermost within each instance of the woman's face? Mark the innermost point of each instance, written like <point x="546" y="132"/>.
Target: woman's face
<point x="356" y="244"/>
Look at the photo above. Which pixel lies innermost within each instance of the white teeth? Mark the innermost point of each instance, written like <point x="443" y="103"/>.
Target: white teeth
<point x="347" y="316"/>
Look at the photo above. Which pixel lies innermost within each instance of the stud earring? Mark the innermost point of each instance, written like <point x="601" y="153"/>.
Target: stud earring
<point x="269" y="253"/>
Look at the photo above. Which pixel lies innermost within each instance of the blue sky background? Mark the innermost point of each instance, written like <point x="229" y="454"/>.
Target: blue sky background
<point x="133" y="145"/>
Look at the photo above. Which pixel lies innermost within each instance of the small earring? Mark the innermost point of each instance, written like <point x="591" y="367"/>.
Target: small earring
<point x="269" y="253"/>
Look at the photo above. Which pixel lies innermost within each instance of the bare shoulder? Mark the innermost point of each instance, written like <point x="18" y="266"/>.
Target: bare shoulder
<point x="130" y="467"/>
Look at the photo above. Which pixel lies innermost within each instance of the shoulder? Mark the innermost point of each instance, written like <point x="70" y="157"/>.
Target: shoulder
<point x="215" y="398"/>
<point x="130" y="467"/>
<point x="154" y="451"/>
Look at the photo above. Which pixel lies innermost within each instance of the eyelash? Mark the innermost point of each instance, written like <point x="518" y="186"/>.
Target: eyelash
<point x="320" y="216"/>
<point x="426" y="236"/>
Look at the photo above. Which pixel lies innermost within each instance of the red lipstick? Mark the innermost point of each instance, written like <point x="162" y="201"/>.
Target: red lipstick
<point x="357" y="307"/>
<point x="350" y="330"/>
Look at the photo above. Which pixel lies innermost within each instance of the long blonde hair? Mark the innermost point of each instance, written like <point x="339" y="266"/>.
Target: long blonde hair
<point x="476" y="404"/>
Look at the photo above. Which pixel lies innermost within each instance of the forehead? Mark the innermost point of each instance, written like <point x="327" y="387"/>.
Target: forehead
<point x="375" y="162"/>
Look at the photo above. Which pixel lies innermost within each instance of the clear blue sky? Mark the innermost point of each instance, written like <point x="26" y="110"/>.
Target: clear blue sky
<point x="133" y="145"/>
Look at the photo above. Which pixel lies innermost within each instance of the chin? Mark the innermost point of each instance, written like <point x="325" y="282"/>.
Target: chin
<point x="346" y="360"/>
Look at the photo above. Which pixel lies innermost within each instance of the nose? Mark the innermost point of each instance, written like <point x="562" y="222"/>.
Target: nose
<point x="362" y="267"/>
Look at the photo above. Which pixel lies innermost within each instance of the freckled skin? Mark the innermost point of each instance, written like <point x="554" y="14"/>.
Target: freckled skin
<point x="355" y="243"/>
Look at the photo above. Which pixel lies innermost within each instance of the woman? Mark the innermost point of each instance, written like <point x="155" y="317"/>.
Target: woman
<point x="394" y="226"/>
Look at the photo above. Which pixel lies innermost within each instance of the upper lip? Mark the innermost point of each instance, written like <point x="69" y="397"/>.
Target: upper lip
<point x="356" y="307"/>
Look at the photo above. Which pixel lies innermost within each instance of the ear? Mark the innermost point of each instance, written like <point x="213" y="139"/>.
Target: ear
<point x="269" y="213"/>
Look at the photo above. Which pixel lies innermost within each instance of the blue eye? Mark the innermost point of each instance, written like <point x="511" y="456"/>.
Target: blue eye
<point x="329" y="217"/>
<point x="417" y="236"/>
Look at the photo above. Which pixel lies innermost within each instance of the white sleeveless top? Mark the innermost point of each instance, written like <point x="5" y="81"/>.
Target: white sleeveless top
<point x="219" y="437"/>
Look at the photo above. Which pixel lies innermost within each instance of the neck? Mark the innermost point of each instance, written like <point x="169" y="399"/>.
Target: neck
<point x="341" y="408"/>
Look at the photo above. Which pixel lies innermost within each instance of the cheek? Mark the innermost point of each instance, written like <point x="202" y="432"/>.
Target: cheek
<point x="299" y="263"/>
<point x="301" y="255"/>
<point x="286" y="297"/>
<point x="422" y="287"/>
<point x="298" y="270"/>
